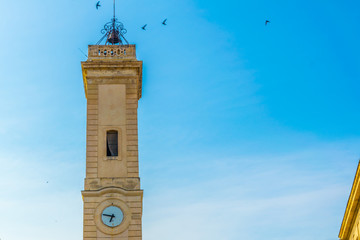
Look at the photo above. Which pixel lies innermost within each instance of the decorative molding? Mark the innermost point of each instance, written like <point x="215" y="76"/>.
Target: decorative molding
<point x="124" y="183"/>
<point x="116" y="65"/>
<point x="100" y="192"/>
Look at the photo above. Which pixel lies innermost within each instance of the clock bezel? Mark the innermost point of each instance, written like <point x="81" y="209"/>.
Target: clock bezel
<point x="112" y="230"/>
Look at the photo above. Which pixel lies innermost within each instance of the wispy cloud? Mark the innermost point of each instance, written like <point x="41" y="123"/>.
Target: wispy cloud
<point x="37" y="198"/>
<point x="277" y="196"/>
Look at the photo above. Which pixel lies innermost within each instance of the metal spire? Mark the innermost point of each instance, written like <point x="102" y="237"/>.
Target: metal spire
<point x="114" y="8"/>
<point x="113" y="32"/>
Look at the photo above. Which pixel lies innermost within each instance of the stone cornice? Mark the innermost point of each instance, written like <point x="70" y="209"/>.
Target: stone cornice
<point x="112" y="64"/>
<point x="100" y="192"/>
<point x="352" y="207"/>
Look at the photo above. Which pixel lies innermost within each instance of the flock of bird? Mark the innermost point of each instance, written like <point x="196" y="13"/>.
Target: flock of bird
<point x="143" y="27"/>
<point x="164" y="22"/>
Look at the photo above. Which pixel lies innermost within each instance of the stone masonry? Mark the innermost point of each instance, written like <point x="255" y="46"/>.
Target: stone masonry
<point x="112" y="80"/>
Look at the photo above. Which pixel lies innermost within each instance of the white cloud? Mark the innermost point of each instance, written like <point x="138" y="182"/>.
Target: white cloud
<point x="36" y="200"/>
<point x="277" y="197"/>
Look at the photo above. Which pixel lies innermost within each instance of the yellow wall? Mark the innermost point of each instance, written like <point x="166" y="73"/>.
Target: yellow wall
<point x="350" y="227"/>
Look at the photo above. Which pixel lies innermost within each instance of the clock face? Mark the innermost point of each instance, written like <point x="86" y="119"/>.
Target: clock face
<point x="112" y="216"/>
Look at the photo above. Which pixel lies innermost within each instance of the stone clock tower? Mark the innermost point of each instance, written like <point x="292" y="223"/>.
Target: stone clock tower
<point x="112" y="196"/>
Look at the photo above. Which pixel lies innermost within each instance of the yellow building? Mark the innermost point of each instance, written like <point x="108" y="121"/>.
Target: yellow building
<point x="350" y="227"/>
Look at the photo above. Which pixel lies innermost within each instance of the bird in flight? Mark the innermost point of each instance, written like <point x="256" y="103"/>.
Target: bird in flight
<point x="98" y="5"/>
<point x="266" y="22"/>
<point x="144" y="27"/>
<point x="164" y="22"/>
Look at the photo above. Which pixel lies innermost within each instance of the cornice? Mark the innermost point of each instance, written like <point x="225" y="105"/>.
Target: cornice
<point x="102" y="191"/>
<point x="113" y="64"/>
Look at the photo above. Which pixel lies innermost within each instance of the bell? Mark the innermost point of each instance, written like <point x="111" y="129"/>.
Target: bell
<point x="113" y="37"/>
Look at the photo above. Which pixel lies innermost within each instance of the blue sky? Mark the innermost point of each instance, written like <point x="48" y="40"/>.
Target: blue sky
<point x="245" y="131"/>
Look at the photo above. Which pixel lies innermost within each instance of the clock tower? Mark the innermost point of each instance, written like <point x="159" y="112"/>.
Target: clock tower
<point x="112" y="195"/>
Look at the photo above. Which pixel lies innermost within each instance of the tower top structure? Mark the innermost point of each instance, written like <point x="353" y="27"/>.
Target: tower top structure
<point x="114" y="32"/>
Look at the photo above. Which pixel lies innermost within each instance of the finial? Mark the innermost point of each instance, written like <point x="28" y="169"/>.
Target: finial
<point x="113" y="32"/>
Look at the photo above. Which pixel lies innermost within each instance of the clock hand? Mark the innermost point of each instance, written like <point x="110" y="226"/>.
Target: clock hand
<point x="112" y="216"/>
<point x="107" y="215"/>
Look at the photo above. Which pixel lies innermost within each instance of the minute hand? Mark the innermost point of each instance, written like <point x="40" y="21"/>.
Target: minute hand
<point x="107" y="215"/>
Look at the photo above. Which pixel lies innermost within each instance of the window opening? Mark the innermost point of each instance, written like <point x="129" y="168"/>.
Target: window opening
<point x="111" y="143"/>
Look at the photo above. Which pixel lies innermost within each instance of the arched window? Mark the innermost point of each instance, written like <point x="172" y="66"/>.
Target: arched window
<point x="112" y="143"/>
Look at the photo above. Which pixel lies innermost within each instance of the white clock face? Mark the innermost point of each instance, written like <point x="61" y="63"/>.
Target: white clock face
<point x="112" y="216"/>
